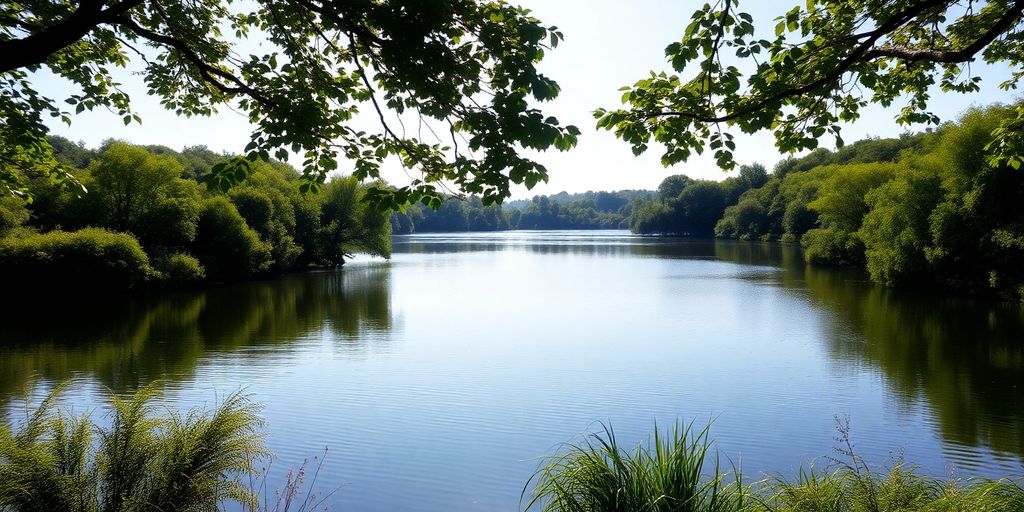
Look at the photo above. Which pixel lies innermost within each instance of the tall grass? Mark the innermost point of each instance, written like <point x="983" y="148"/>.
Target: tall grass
<point x="141" y="459"/>
<point x="672" y="472"/>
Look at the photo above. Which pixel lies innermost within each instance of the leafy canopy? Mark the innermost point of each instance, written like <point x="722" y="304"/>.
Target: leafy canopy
<point x="825" y="61"/>
<point x="300" y="70"/>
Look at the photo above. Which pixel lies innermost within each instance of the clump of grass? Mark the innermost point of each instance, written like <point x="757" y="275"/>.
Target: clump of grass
<point x="671" y="473"/>
<point x="141" y="461"/>
<point x="853" y="486"/>
<point x="899" y="489"/>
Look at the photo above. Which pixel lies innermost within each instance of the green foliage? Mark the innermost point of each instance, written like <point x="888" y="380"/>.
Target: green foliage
<point x="227" y="247"/>
<point x="268" y="209"/>
<point x="72" y="154"/>
<point x="672" y="186"/>
<point x="88" y="261"/>
<point x="670" y="474"/>
<point x="652" y="217"/>
<point x="130" y="180"/>
<point x="925" y="210"/>
<point x="179" y="269"/>
<point x="827" y="60"/>
<point x="841" y="207"/>
<point x="833" y="246"/>
<point x="136" y="191"/>
<point x="840" y="198"/>
<point x="955" y="218"/>
<point x="141" y="191"/>
<point x="697" y="206"/>
<point x="13" y="213"/>
<point x="141" y="461"/>
<point x="469" y="66"/>
<point x="348" y="224"/>
<point x="586" y="210"/>
<point x="895" y="230"/>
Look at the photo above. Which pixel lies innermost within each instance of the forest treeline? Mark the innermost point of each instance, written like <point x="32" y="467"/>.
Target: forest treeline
<point x="146" y="221"/>
<point x="586" y="210"/>
<point x="926" y="210"/>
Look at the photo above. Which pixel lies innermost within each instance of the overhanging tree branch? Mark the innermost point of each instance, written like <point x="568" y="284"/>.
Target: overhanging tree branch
<point x="211" y="74"/>
<point x="34" y="49"/>
<point x="862" y="52"/>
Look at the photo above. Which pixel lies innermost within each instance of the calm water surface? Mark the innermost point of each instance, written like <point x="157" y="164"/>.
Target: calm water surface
<point x="438" y="378"/>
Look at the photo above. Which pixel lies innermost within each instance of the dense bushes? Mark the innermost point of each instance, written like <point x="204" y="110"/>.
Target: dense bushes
<point x="925" y="210"/>
<point x="349" y="225"/>
<point x="687" y="207"/>
<point x="955" y="219"/>
<point x="91" y="260"/>
<point x="178" y="269"/>
<point x="12" y="213"/>
<point x="152" y="194"/>
<point x="225" y="244"/>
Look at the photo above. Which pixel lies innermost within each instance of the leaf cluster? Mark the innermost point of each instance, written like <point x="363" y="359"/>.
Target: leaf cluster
<point x="464" y="69"/>
<point x="824" y="63"/>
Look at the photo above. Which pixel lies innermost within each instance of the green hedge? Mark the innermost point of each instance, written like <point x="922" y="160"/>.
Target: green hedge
<point x="87" y="261"/>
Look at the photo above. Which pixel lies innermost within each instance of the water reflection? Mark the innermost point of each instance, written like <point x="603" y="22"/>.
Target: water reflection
<point x="960" y="361"/>
<point x="964" y="357"/>
<point x="126" y="344"/>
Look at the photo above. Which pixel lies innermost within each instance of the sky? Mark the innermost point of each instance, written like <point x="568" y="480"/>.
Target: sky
<point x="608" y="44"/>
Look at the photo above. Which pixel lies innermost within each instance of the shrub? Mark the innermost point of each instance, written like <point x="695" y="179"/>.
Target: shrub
<point x="91" y="260"/>
<point x="12" y="213"/>
<point x="832" y="246"/>
<point x="179" y="269"/>
<point x="227" y="247"/>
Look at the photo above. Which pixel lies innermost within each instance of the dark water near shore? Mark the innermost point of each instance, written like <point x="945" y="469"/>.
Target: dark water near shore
<point x="437" y="379"/>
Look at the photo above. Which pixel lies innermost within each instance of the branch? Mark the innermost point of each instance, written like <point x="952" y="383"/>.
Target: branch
<point x="36" y="48"/>
<point x="965" y="54"/>
<point x="209" y="72"/>
<point x="857" y="55"/>
<point x="342" y="23"/>
<point x="369" y="87"/>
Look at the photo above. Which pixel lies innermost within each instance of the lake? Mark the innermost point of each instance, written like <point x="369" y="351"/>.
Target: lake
<point x="437" y="379"/>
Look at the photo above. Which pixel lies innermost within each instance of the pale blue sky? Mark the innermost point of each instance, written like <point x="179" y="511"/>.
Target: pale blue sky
<point x="609" y="43"/>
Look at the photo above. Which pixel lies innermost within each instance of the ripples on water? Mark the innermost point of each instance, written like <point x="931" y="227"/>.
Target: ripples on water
<point x="438" y="378"/>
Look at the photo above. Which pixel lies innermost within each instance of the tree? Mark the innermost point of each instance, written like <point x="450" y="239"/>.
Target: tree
<point x="348" y="225"/>
<point x="465" y="67"/>
<point x="131" y="180"/>
<point x="672" y="186"/>
<point x="226" y="246"/>
<point x="753" y="176"/>
<point x="826" y="61"/>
